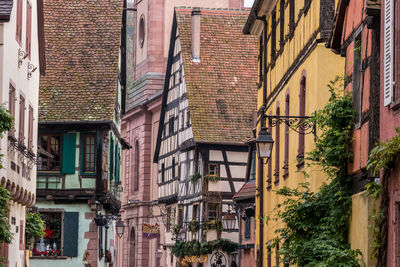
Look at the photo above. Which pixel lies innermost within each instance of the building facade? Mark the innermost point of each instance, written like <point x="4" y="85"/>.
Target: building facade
<point x="294" y="70"/>
<point x="152" y="22"/>
<point x="79" y="141"/>
<point x="390" y="119"/>
<point x="357" y="38"/>
<point x="206" y="119"/>
<point x="21" y="62"/>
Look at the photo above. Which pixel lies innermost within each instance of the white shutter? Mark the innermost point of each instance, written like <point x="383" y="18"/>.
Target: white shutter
<point x="388" y="53"/>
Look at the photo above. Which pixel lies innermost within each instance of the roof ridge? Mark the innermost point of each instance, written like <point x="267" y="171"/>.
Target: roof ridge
<point x="214" y="8"/>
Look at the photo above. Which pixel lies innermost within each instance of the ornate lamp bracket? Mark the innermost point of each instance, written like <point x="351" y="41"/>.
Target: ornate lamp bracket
<point x="299" y="124"/>
<point x="21" y="56"/>
<point x="31" y="69"/>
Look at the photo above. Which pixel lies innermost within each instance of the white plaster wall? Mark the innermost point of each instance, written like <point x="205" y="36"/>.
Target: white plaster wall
<point x="16" y="256"/>
<point x="29" y="88"/>
<point x="234" y="156"/>
<point x="215" y="155"/>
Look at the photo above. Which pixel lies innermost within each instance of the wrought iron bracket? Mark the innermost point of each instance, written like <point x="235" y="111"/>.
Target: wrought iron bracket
<point x="299" y="124"/>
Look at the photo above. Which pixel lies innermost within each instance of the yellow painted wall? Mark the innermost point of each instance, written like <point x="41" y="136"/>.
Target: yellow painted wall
<point x="360" y="237"/>
<point x="320" y="67"/>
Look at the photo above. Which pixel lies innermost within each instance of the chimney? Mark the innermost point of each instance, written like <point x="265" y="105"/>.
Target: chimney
<point x="196" y="34"/>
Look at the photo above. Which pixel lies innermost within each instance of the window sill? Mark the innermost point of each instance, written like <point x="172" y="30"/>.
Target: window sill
<point x="49" y="257"/>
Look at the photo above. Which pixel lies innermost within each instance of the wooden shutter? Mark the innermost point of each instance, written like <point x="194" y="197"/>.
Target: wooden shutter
<point x="30" y="128"/>
<point x="21" y="135"/>
<point x="19" y="22"/>
<point x="111" y="171"/>
<point x="388" y="55"/>
<point x="28" y="29"/>
<point x="117" y="163"/>
<point x="71" y="222"/>
<point x="68" y="153"/>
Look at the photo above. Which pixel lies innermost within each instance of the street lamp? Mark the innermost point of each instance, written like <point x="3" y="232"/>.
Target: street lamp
<point x="120" y="228"/>
<point x="264" y="144"/>
<point x="229" y="220"/>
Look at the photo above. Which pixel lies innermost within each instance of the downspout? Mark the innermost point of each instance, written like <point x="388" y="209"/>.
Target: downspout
<point x="123" y="59"/>
<point x="238" y="213"/>
<point x="260" y="184"/>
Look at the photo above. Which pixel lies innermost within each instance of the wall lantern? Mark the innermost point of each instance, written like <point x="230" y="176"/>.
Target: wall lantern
<point x="264" y="144"/>
<point x="229" y="220"/>
<point x="120" y="228"/>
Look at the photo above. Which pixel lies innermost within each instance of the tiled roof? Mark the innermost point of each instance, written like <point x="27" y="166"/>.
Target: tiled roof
<point x="222" y="89"/>
<point x="82" y="46"/>
<point x="5" y="10"/>
<point x="247" y="191"/>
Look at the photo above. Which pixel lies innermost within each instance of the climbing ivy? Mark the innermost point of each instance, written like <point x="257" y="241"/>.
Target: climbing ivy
<point x="195" y="248"/>
<point x="34" y="226"/>
<point x="315" y="226"/>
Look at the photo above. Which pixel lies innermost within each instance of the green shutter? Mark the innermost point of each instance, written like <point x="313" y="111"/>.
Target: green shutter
<point x="111" y="158"/>
<point x="116" y="163"/>
<point x="71" y="222"/>
<point x="68" y="153"/>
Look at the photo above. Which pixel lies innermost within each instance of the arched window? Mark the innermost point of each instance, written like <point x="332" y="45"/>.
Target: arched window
<point x="277" y="147"/>
<point x="286" y="161"/>
<point x="302" y="112"/>
<point x="137" y="166"/>
<point x="269" y="178"/>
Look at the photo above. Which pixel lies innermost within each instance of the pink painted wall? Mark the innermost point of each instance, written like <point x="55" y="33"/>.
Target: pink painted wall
<point x="390" y="119"/>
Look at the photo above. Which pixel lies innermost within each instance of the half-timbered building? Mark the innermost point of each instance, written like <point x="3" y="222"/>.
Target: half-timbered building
<point x="206" y="118"/>
<point x="79" y="142"/>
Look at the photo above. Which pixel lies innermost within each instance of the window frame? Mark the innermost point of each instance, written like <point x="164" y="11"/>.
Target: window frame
<point x="30" y="128"/>
<point x="28" y="32"/>
<point x="217" y="211"/>
<point x="216" y="169"/>
<point x="247" y="228"/>
<point x="18" y="35"/>
<point x="83" y="153"/>
<point x="60" y="147"/>
<point x="11" y="107"/>
<point x="277" y="148"/>
<point x="21" y="124"/>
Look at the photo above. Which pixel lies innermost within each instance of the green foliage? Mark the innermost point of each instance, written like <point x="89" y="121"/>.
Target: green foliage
<point x="195" y="177"/>
<point x="315" y="226"/>
<point x="5" y="228"/>
<point x="212" y="178"/>
<point x="194" y="226"/>
<point x="34" y="227"/>
<point x="216" y="225"/>
<point x="177" y="229"/>
<point x="383" y="155"/>
<point x="195" y="248"/>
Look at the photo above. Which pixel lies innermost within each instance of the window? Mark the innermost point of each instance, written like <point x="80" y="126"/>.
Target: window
<point x="195" y="211"/>
<point x="247" y="228"/>
<point x="396" y="50"/>
<point x="213" y="169"/>
<point x="269" y="175"/>
<point x="282" y="23"/>
<point x="21" y="135"/>
<point x="28" y="29"/>
<point x="142" y="31"/>
<point x="19" y="22"/>
<point x="277" y="148"/>
<point x="171" y="125"/>
<point x="162" y="173"/>
<point x="302" y="112"/>
<point x="137" y="166"/>
<point x="253" y="166"/>
<point x="286" y="161"/>
<point x="21" y="235"/>
<point x="277" y="255"/>
<point x="269" y="259"/>
<point x="60" y="235"/>
<point x="291" y="17"/>
<point x="187" y="117"/>
<point x="51" y="243"/>
<point x="273" y="36"/>
<point x="213" y="211"/>
<point x="89" y="154"/>
<point x="173" y="168"/>
<point x="49" y="152"/>
<point x="168" y="226"/>
<point x="30" y="129"/>
<point x="11" y="107"/>
<point x="357" y="79"/>
<point x="180" y="216"/>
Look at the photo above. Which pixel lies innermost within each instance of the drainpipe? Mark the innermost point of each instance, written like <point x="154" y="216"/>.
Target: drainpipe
<point x="238" y="213"/>
<point x="260" y="182"/>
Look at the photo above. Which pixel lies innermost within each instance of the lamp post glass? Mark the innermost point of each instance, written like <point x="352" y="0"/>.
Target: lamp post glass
<point x="120" y="228"/>
<point x="229" y="221"/>
<point x="264" y="144"/>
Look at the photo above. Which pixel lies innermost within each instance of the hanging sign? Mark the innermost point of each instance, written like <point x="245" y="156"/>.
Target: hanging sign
<point x="151" y="231"/>
<point x="192" y="259"/>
